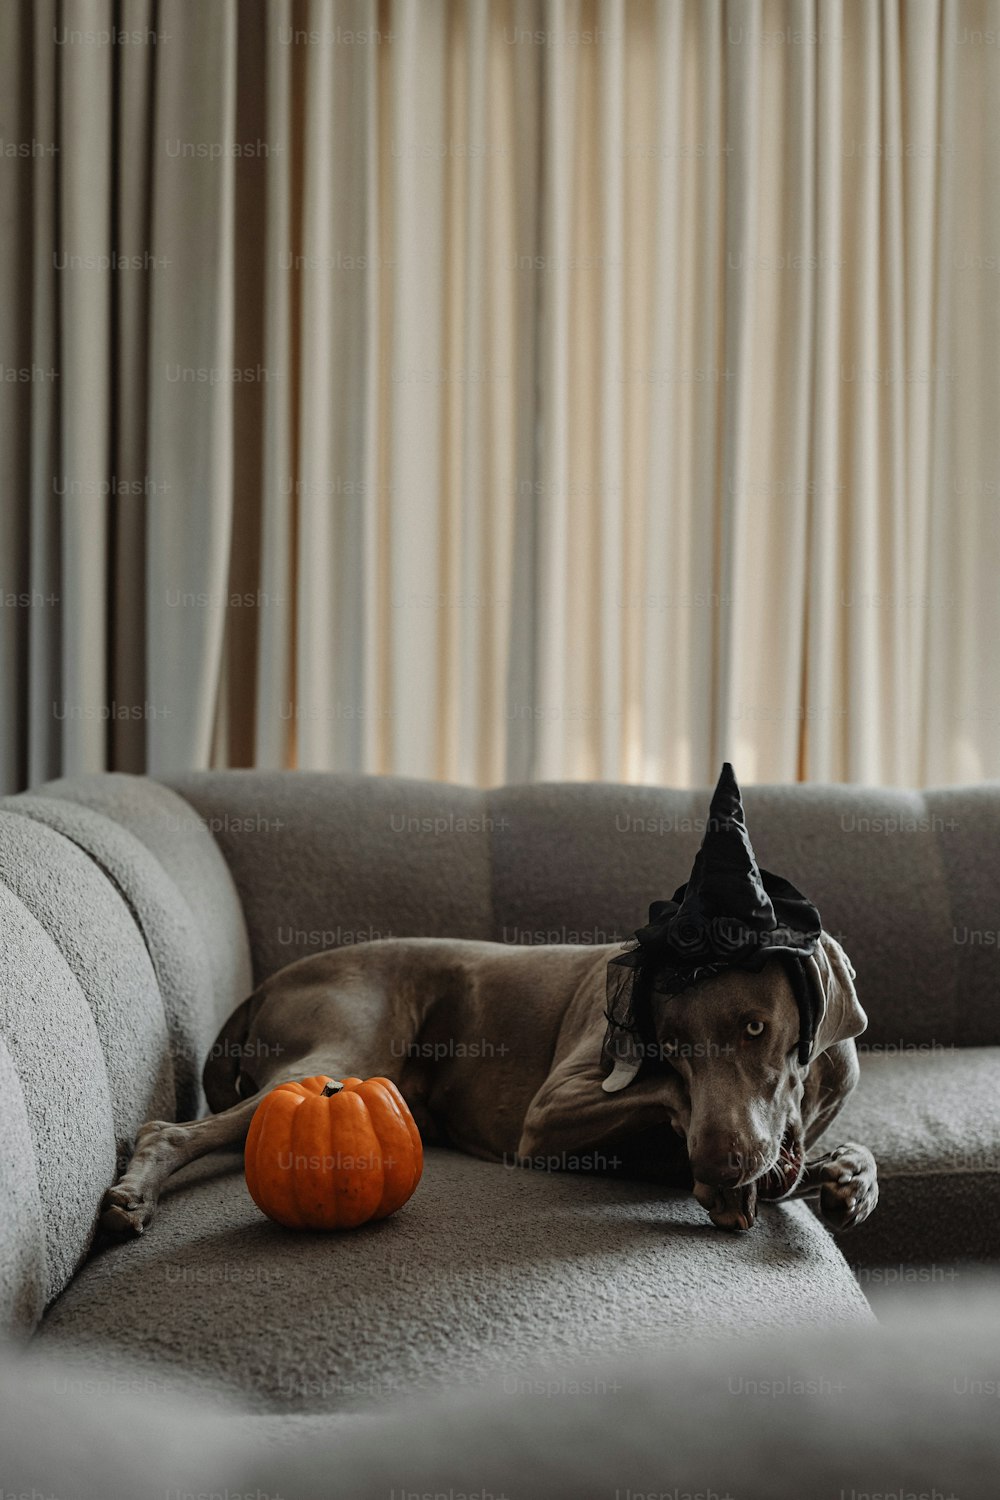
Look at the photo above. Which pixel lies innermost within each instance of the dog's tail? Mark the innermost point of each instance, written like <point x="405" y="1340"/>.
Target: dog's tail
<point x="222" y="1066"/>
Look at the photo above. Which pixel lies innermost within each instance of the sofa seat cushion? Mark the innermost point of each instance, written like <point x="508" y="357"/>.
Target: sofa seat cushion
<point x="487" y="1269"/>
<point x="907" y="1408"/>
<point x="932" y="1120"/>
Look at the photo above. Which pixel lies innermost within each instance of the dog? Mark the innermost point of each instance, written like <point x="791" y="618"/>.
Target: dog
<point x="498" y="1052"/>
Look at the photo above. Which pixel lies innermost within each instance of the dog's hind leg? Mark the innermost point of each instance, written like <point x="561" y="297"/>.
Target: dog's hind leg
<point x="322" y="1015"/>
<point x="162" y="1147"/>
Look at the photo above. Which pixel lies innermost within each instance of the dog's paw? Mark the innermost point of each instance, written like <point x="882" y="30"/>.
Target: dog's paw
<point x="848" y="1186"/>
<point x="125" y="1211"/>
<point x="128" y="1207"/>
<point x="733" y="1209"/>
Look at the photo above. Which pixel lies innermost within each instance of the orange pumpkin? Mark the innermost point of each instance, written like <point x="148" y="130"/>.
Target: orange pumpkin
<point x="329" y="1154"/>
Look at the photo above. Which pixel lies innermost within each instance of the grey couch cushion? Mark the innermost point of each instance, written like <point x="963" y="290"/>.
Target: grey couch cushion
<point x="82" y="912"/>
<point x="588" y="859"/>
<point x="69" y="1432"/>
<point x="23" y="1262"/>
<point x="966" y="824"/>
<point x="322" y="860"/>
<point x="932" y="1120"/>
<point x="486" y="1269"/>
<point x="903" y="1412"/>
<point x="195" y="936"/>
<point x="184" y="848"/>
<point x="122" y="952"/>
<point x="908" y="1408"/>
<point x="62" y="1089"/>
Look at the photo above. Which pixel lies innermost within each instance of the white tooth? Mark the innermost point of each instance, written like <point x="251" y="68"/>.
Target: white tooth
<point x="620" y="1076"/>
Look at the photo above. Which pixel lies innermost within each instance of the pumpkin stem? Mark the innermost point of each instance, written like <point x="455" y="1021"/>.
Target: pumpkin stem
<point x="331" y="1089"/>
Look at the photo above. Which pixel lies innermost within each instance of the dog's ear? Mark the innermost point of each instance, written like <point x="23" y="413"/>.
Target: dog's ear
<point x="839" y="1015"/>
<point x="627" y="1059"/>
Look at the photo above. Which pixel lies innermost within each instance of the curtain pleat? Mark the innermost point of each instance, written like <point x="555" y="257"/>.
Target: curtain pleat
<point x="134" y="492"/>
<point x="192" y="376"/>
<point x="920" y="107"/>
<point x="962" y="715"/>
<point x="821" y="699"/>
<point x="746" y="568"/>
<point x="519" y="101"/>
<point x="83" y="213"/>
<point x="15" y="463"/>
<point x="275" y="731"/>
<point x="42" y="686"/>
<point x="501" y="392"/>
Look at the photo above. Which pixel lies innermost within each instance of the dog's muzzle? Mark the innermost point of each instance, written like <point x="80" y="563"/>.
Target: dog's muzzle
<point x="783" y="1177"/>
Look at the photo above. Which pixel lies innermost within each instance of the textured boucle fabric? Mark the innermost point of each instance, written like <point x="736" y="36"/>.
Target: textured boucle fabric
<point x="967" y="824"/>
<point x="906" y="1408"/>
<point x="70" y="1432"/>
<point x="322" y="860"/>
<point x="52" y="1039"/>
<point x="486" y="1269"/>
<point x="901" y="1412"/>
<point x="904" y="880"/>
<point x="84" y="914"/>
<point x="23" y="1262"/>
<point x="183" y="845"/>
<point x="932" y="1120"/>
<point x="176" y="941"/>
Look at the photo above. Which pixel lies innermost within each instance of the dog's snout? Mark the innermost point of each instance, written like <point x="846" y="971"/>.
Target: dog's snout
<point x="721" y="1161"/>
<point x="722" y="1172"/>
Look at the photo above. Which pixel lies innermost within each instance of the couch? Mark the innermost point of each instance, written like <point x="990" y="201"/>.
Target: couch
<point x="136" y="914"/>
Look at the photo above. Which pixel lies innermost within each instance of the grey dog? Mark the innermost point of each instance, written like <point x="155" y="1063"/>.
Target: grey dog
<point x="497" y="1050"/>
<point x="730" y="1022"/>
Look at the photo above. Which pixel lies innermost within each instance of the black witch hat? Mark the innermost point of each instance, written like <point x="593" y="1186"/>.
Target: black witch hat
<point x="730" y="914"/>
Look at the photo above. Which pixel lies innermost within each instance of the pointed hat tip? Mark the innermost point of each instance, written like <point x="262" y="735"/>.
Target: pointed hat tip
<point x="727" y="800"/>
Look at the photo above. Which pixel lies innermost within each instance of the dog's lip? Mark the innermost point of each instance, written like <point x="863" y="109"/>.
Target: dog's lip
<point x="783" y="1176"/>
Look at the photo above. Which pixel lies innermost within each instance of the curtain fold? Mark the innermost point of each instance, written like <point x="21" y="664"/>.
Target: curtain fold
<point x="541" y="389"/>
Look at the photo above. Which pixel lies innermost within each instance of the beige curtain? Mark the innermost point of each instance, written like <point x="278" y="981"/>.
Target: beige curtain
<point x="498" y="391"/>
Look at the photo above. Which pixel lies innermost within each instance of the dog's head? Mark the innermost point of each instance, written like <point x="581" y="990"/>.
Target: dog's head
<point x="732" y="1046"/>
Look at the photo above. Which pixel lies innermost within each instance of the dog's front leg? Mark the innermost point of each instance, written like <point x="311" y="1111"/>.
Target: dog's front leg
<point x="845" y="1180"/>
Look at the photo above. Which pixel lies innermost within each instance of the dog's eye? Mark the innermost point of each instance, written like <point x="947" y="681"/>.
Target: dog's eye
<point x="669" y="1049"/>
<point x="754" y="1028"/>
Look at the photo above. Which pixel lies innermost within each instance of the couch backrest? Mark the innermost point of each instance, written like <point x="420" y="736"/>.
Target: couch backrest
<point x="909" y="882"/>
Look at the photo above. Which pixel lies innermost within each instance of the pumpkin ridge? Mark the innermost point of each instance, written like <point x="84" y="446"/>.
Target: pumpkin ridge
<point x="333" y="1197"/>
<point x="359" y="1141"/>
<point x="386" y="1107"/>
<point x="280" y="1128"/>
<point x="312" y="1184"/>
<point x="273" y="1121"/>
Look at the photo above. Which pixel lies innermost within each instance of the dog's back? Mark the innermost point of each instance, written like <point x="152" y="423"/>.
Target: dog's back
<point x="466" y="1029"/>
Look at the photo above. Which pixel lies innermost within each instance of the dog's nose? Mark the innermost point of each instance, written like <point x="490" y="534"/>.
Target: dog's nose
<point x="715" y="1172"/>
<point x="717" y="1160"/>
